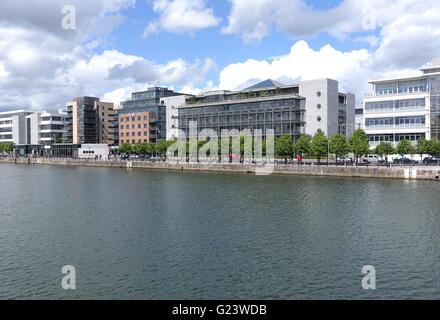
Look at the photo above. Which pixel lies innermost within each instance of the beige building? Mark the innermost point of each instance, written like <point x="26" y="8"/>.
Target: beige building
<point x="136" y="128"/>
<point x="90" y="121"/>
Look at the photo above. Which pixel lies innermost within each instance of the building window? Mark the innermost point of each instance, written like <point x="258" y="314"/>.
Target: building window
<point x="122" y="126"/>
<point x="139" y="118"/>
<point x="122" y="134"/>
<point x="145" y="133"/>
<point x="139" y="126"/>
<point x="318" y="93"/>
<point x="122" y="119"/>
<point x="145" y="126"/>
<point x="133" y="118"/>
<point x="127" y="119"/>
<point x="132" y="134"/>
<point x="132" y="126"/>
<point x="318" y="118"/>
<point x="139" y="134"/>
<point x="319" y="106"/>
<point x="145" y="117"/>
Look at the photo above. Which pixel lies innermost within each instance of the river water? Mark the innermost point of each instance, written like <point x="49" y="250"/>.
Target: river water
<point x="139" y="234"/>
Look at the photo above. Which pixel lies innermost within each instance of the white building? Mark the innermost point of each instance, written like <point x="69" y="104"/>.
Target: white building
<point x="327" y="108"/>
<point x="42" y="128"/>
<point x="404" y="108"/>
<point x="93" y="151"/>
<point x="13" y="126"/>
<point x="172" y="104"/>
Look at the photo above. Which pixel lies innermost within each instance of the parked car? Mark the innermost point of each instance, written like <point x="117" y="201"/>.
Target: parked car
<point x="344" y="160"/>
<point x="404" y="161"/>
<point x="370" y="158"/>
<point x="429" y="160"/>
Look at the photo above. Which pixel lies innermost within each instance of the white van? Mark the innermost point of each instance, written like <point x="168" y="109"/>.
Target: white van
<point x="370" y="158"/>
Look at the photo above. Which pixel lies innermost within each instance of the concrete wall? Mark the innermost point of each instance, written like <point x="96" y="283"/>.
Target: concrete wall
<point x="172" y="104"/>
<point x="408" y="173"/>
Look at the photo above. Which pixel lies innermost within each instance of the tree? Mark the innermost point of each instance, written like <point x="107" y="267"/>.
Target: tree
<point x="57" y="138"/>
<point x="405" y="147"/>
<point x="384" y="149"/>
<point x="434" y="148"/>
<point x="339" y="145"/>
<point x="422" y="147"/>
<point x="7" y="147"/>
<point x="284" y="146"/>
<point x="161" y="146"/>
<point x="303" y="145"/>
<point x="124" y="148"/>
<point x="359" y="144"/>
<point x="137" y="148"/>
<point x="319" y="145"/>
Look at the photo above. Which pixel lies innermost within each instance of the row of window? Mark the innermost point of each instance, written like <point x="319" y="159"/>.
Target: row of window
<point x="397" y="122"/>
<point x="239" y="107"/>
<point x="133" y="134"/>
<point x="6" y="122"/>
<point x="133" y="141"/>
<point x="245" y="118"/>
<point x="377" y="138"/>
<point x="139" y="126"/>
<point x="397" y="105"/>
<point x="401" y="88"/>
<point x="133" y="118"/>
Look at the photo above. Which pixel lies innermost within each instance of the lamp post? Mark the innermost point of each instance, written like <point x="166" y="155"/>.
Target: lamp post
<point x="328" y="151"/>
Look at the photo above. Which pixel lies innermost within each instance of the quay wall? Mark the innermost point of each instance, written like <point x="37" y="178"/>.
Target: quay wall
<point x="408" y="173"/>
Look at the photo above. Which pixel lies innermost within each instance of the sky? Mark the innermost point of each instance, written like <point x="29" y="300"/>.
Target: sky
<point x="54" y="50"/>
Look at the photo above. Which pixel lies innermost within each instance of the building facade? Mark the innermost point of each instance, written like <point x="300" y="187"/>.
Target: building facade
<point x="13" y="126"/>
<point x="404" y="108"/>
<point x="172" y="105"/>
<point x="151" y="112"/>
<point x="90" y="121"/>
<point x="327" y="108"/>
<point x="137" y="127"/>
<point x="287" y="109"/>
<point x="279" y="108"/>
<point x="45" y="128"/>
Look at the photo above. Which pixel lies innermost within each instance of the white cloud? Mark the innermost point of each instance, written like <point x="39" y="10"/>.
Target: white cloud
<point x="181" y="16"/>
<point x="42" y="66"/>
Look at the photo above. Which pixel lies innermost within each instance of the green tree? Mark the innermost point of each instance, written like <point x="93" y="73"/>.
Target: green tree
<point x="434" y="147"/>
<point x="161" y="146"/>
<point x="303" y="145"/>
<point x="405" y="147"/>
<point x="384" y="149"/>
<point x="359" y="144"/>
<point x="319" y="145"/>
<point x="137" y="148"/>
<point x="284" y="146"/>
<point x="58" y="138"/>
<point x="339" y="145"/>
<point x="422" y="147"/>
<point x="124" y="148"/>
<point x="8" y="147"/>
<point x="2" y="147"/>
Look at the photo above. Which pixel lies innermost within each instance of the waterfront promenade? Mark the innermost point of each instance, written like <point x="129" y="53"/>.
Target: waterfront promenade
<point x="406" y="172"/>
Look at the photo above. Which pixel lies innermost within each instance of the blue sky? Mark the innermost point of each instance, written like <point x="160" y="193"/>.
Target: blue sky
<point x="119" y="46"/>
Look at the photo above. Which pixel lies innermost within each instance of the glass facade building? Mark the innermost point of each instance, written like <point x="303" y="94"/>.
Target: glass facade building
<point x="405" y="108"/>
<point x="148" y="102"/>
<point x="280" y="109"/>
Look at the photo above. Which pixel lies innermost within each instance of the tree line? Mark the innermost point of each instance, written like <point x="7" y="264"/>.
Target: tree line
<point x="317" y="145"/>
<point x="6" y="147"/>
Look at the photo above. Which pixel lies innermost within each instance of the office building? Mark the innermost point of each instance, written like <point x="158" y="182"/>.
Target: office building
<point x="172" y="105"/>
<point x="45" y="128"/>
<point x="13" y="126"/>
<point x="287" y="109"/>
<point x="404" y="108"/>
<point x="143" y="118"/>
<point x="90" y="121"/>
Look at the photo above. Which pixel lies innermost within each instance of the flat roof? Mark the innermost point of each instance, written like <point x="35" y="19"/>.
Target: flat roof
<point x="419" y="77"/>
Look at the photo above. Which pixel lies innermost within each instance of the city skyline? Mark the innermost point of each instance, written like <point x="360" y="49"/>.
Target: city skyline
<point x="119" y="47"/>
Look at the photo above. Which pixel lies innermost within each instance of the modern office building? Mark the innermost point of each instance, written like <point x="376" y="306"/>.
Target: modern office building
<point x="327" y="108"/>
<point x="13" y="126"/>
<point x="45" y="128"/>
<point x="293" y="109"/>
<point x="143" y="118"/>
<point x="404" y="108"/>
<point x="172" y="105"/>
<point x="90" y="121"/>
